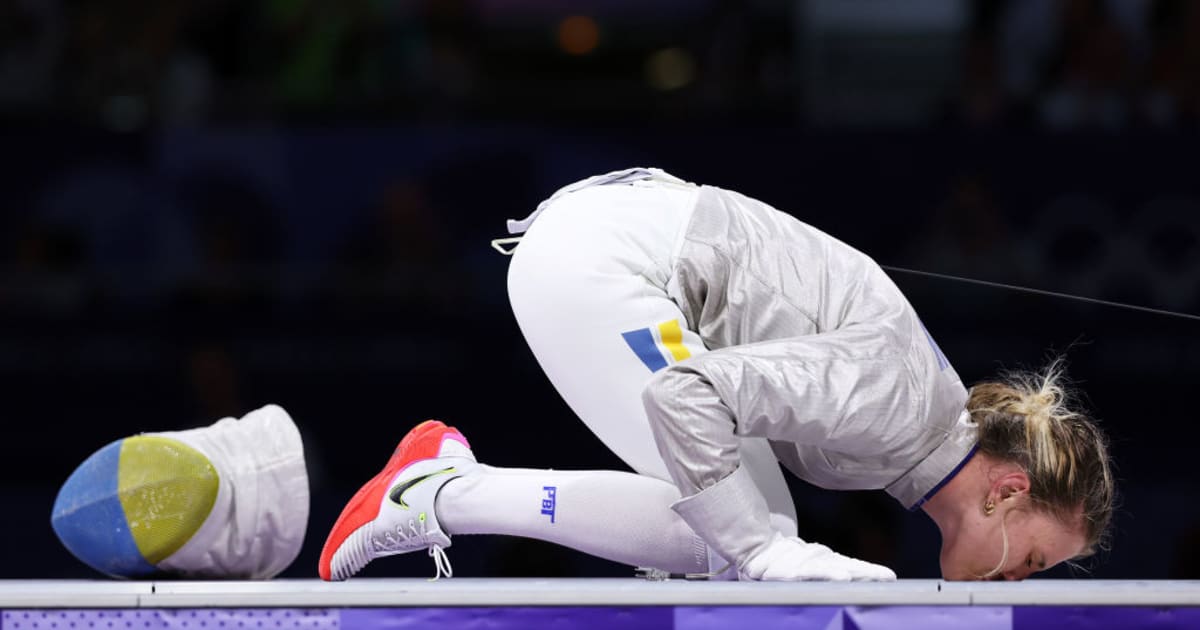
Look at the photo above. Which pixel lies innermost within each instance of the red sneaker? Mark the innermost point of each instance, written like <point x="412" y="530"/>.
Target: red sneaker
<point x="394" y="512"/>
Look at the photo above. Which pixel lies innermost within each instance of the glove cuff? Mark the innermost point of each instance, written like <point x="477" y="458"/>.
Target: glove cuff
<point x="731" y="516"/>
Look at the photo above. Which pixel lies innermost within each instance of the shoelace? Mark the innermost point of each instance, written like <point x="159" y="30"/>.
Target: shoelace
<point x="441" y="561"/>
<point x="416" y="529"/>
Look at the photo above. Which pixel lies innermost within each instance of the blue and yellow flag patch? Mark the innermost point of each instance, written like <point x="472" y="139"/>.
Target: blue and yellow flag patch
<point x="658" y="346"/>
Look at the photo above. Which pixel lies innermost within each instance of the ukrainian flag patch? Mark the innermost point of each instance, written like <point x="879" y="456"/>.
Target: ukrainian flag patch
<point x="658" y="346"/>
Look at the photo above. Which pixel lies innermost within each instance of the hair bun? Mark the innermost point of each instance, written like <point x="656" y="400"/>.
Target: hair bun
<point x="1028" y="418"/>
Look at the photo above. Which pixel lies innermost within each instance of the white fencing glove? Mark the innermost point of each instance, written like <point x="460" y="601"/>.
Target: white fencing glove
<point x="792" y="559"/>
<point x="733" y="518"/>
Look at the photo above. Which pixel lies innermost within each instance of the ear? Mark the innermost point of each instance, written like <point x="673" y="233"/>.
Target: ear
<point x="1009" y="485"/>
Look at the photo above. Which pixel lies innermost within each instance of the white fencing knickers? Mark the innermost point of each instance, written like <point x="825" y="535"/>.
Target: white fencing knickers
<point x="589" y="286"/>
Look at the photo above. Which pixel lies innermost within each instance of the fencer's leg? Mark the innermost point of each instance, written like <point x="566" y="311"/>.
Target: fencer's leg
<point x="618" y="516"/>
<point x="588" y="287"/>
<point x="432" y="488"/>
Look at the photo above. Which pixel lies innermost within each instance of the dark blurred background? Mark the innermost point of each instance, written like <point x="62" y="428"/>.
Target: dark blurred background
<point x="209" y="205"/>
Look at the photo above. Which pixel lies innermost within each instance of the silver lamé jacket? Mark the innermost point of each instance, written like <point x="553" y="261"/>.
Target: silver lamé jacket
<point x="814" y="348"/>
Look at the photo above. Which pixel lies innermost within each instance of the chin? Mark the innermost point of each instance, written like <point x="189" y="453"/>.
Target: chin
<point x="953" y="572"/>
<point x="948" y="570"/>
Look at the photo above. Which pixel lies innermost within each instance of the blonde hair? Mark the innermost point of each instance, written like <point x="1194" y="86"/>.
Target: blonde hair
<point x="1028" y="418"/>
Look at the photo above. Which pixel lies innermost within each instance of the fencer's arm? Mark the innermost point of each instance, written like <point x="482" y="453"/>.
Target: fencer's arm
<point x="822" y="390"/>
<point x="834" y="391"/>
<point x="695" y="431"/>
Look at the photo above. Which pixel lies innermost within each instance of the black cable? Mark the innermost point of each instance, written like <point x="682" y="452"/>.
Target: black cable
<point x="1013" y="287"/>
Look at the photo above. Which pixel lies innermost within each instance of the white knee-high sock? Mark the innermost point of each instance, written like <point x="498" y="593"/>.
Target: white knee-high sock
<point x="613" y="515"/>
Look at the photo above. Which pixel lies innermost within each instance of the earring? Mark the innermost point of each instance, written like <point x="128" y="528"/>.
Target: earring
<point x="988" y="508"/>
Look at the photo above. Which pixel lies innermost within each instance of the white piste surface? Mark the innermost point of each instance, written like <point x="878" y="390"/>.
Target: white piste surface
<point x="409" y="592"/>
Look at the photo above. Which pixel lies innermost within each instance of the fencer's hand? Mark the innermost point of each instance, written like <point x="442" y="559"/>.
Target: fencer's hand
<point x="792" y="559"/>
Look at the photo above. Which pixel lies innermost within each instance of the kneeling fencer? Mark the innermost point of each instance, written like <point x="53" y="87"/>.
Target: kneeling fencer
<point x="706" y="337"/>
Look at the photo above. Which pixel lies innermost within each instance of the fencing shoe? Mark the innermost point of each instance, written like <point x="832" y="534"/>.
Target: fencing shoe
<point x="394" y="512"/>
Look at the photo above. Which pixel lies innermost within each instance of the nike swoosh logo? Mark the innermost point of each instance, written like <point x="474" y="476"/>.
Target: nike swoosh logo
<point x="397" y="493"/>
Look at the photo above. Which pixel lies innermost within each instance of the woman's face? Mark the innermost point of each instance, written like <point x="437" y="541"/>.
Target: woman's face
<point x="1036" y="541"/>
